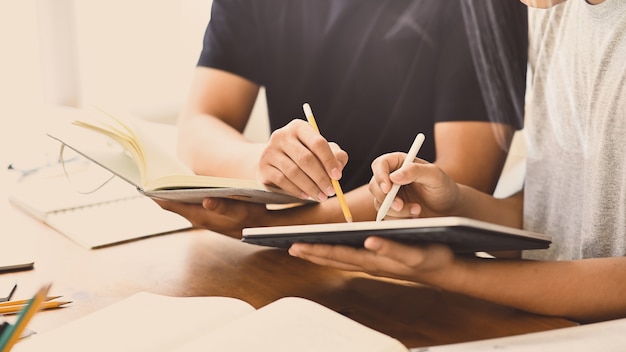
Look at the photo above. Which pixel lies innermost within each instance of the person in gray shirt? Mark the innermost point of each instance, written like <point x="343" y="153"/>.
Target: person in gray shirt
<point x="575" y="186"/>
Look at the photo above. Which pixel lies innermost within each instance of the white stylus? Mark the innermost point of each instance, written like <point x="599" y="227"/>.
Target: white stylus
<point x="415" y="147"/>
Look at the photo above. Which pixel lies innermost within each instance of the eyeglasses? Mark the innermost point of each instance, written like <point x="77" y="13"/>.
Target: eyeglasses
<point x="84" y="176"/>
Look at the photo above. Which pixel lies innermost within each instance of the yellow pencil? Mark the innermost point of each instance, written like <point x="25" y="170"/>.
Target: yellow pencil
<point x="11" y="334"/>
<point x="25" y="301"/>
<point x="342" y="200"/>
<point x="16" y="308"/>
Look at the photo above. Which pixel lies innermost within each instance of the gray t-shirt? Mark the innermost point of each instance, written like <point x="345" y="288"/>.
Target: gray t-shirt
<point x="575" y="188"/>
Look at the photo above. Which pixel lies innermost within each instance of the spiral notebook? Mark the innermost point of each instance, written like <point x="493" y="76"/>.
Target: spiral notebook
<point x="114" y="214"/>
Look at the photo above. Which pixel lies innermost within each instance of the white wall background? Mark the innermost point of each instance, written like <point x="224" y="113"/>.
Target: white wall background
<point x="138" y="55"/>
<point x="20" y="74"/>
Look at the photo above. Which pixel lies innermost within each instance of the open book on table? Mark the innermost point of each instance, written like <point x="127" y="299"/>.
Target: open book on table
<point x="150" y="322"/>
<point x="463" y="235"/>
<point x="119" y="144"/>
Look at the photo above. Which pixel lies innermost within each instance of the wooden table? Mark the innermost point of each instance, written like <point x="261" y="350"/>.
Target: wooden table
<point x="203" y="263"/>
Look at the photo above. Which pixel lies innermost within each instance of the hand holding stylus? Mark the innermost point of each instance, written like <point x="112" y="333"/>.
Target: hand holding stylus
<point x="415" y="147"/>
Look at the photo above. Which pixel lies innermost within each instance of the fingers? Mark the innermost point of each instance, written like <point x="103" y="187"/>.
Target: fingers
<point x="338" y="257"/>
<point x="395" y="251"/>
<point x="381" y="169"/>
<point x="380" y="257"/>
<point x="192" y="212"/>
<point x="226" y="216"/>
<point x="300" y="161"/>
<point x="341" y="156"/>
<point x="387" y="170"/>
<point x="423" y="258"/>
<point x="353" y="259"/>
<point x="425" y="188"/>
<point x="384" y="169"/>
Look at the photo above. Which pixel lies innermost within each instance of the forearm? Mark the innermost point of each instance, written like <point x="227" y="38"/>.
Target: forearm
<point x="210" y="127"/>
<point x="480" y="206"/>
<point x="211" y="147"/>
<point x="583" y="290"/>
<point x="477" y="165"/>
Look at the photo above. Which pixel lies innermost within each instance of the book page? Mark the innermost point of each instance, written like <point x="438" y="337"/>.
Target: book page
<point x="41" y="196"/>
<point x="114" y="213"/>
<point x="160" y="161"/>
<point x="165" y="170"/>
<point x="133" y="134"/>
<point x="99" y="149"/>
<point x="294" y="324"/>
<point x="605" y="336"/>
<point x="116" y="222"/>
<point x="143" y="322"/>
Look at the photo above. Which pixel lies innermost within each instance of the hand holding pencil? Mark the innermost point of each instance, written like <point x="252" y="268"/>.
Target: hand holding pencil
<point x="298" y="160"/>
<point x="342" y="201"/>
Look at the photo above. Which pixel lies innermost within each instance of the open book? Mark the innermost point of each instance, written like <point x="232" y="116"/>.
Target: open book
<point x="120" y="145"/>
<point x="463" y="235"/>
<point x="150" y="322"/>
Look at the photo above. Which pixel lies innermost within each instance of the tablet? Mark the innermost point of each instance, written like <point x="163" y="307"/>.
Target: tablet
<point x="463" y="235"/>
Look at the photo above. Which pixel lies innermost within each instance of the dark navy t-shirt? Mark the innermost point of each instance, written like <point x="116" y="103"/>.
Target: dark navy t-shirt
<point x="376" y="72"/>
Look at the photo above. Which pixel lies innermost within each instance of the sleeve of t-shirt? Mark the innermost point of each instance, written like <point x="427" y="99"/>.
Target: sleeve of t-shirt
<point x="458" y="94"/>
<point x="230" y="43"/>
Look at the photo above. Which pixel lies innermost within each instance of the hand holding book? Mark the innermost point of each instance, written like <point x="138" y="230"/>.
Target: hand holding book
<point x="138" y="159"/>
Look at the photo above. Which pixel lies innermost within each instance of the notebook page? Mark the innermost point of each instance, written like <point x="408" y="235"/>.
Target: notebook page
<point x="143" y="322"/>
<point x="294" y="324"/>
<point x="115" y="222"/>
